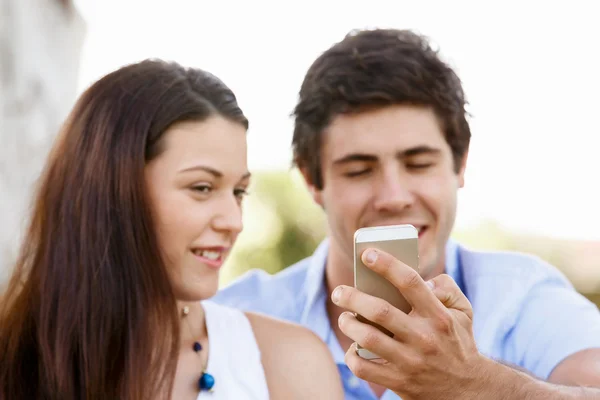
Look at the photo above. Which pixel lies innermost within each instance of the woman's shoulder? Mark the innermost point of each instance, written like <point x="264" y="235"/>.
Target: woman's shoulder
<point x="283" y="333"/>
<point x="295" y="359"/>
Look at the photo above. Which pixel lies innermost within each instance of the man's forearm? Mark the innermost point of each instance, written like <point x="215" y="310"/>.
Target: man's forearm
<point x="511" y="383"/>
<point x="550" y="391"/>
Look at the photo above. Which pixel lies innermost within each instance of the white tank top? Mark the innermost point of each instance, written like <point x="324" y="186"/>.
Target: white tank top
<point x="234" y="358"/>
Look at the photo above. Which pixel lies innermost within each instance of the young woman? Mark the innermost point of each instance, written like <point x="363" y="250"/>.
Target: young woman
<point x="137" y="208"/>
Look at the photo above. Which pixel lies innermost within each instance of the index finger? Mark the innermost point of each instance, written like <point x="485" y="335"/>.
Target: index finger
<point x="404" y="278"/>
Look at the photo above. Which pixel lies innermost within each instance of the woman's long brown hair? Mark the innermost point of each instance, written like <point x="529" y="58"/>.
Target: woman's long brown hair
<point x="89" y="312"/>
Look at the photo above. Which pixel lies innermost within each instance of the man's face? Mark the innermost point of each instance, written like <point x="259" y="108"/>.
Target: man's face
<point x="389" y="166"/>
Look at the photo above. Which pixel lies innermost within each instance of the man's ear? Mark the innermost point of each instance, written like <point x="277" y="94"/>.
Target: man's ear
<point x="463" y="168"/>
<point x="315" y="192"/>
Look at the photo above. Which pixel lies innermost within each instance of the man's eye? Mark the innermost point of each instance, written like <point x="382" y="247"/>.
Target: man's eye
<point x="352" y="174"/>
<point x="419" y="165"/>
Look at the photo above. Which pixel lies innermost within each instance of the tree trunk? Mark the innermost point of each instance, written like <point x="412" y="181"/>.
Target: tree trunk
<point x="40" y="47"/>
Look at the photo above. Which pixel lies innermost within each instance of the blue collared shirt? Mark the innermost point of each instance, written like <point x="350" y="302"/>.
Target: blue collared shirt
<point x="525" y="311"/>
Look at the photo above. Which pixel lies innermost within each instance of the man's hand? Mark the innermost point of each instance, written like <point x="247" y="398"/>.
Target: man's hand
<point x="433" y="354"/>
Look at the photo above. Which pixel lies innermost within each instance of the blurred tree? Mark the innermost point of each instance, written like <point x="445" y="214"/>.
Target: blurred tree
<point x="40" y="46"/>
<point x="284" y="225"/>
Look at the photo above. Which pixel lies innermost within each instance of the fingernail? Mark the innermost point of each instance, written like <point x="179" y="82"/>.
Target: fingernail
<point x="335" y="296"/>
<point x="371" y="257"/>
<point x="430" y="284"/>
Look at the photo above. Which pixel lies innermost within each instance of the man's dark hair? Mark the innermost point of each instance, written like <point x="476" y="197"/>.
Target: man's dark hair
<point x="375" y="68"/>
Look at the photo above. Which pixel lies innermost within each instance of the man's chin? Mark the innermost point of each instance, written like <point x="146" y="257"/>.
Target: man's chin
<point x="430" y="265"/>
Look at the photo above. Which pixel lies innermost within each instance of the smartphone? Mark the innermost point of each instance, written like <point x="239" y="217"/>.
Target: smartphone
<point x="401" y="241"/>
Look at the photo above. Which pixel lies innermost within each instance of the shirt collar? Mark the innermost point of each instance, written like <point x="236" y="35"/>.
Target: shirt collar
<point x="453" y="265"/>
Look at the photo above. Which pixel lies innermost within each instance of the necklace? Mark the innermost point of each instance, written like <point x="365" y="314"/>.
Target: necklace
<point x="206" y="380"/>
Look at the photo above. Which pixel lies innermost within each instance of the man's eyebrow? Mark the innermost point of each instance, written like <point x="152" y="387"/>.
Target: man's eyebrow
<point x="411" y="152"/>
<point x="355" y="157"/>
<point x="415" y="151"/>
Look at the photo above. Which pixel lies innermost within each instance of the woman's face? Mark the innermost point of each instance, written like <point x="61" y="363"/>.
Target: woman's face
<point x="196" y="186"/>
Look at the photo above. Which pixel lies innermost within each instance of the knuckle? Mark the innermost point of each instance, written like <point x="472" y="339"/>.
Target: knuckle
<point x="370" y="339"/>
<point x="444" y="280"/>
<point x="407" y="386"/>
<point x="444" y="296"/>
<point x="465" y="320"/>
<point x="428" y="343"/>
<point x="411" y="280"/>
<point x="444" y="322"/>
<point x="387" y="263"/>
<point x="382" y="313"/>
<point x="414" y="366"/>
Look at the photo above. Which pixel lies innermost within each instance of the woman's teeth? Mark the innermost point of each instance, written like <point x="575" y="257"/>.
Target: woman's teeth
<point x="209" y="254"/>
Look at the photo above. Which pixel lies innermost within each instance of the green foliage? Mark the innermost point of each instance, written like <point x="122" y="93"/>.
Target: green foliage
<point x="283" y="225"/>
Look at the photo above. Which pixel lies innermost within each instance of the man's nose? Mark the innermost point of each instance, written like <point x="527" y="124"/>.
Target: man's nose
<point x="393" y="193"/>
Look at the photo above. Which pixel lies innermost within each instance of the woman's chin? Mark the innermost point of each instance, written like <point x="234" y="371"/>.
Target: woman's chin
<point x="194" y="293"/>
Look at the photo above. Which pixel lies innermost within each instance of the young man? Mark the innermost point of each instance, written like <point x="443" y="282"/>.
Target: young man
<point x="381" y="138"/>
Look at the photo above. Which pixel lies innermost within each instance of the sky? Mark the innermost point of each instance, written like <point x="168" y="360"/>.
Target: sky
<point x="529" y="69"/>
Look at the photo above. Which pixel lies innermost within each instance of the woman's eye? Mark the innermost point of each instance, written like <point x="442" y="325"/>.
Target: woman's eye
<point x="240" y="193"/>
<point x="204" y="189"/>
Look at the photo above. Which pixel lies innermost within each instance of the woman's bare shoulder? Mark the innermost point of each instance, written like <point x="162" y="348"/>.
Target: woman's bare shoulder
<point x="297" y="362"/>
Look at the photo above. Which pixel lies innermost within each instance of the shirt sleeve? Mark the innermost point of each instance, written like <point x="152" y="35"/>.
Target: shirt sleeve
<point x="554" y="322"/>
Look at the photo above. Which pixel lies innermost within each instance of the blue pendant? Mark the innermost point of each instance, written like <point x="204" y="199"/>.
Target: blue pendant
<point x="206" y="382"/>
